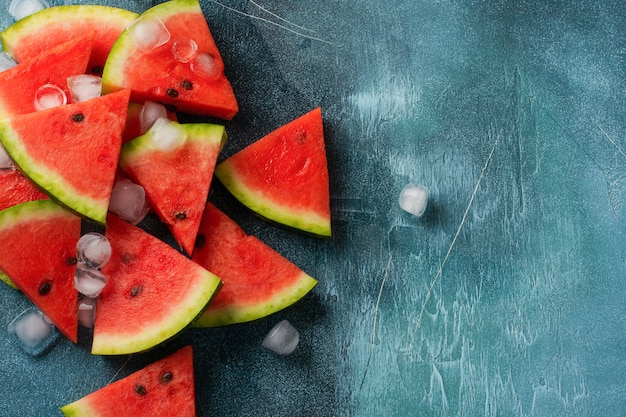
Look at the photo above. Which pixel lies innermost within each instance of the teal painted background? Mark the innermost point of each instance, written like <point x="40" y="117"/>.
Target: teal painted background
<point x="505" y="299"/>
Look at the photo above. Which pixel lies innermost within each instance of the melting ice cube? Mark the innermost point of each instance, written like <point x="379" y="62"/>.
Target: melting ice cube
<point x="6" y="61"/>
<point x="87" y="311"/>
<point x="93" y="249"/>
<point x="128" y="201"/>
<point x="22" y="8"/>
<point x="34" y="331"/>
<point x="165" y="135"/>
<point x="413" y="199"/>
<point x="149" y="113"/>
<point x="184" y="49"/>
<point x="205" y="65"/>
<point x="5" y="161"/>
<point x="282" y="339"/>
<point x="89" y="281"/>
<point x="49" y="95"/>
<point x="84" y="87"/>
<point x="148" y="32"/>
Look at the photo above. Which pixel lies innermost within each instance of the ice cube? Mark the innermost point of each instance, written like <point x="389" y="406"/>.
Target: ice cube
<point x="148" y="32"/>
<point x="49" y="95"/>
<point x="128" y="201"/>
<point x="84" y="87"/>
<point x="205" y="66"/>
<point x="6" y="61"/>
<point x="282" y="339"/>
<point x="165" y="135"/>
<point x="89" y="281"/>
<point x="34" y="331"/>
<point x="22" y="8"/>
<point x="184" y="49"/>
<point x="5" y="161"/>
<point x="87" y="311"/>
<point x="413" y="199"/>
<point x="93" y="249"/>
<point x="149" y="113"/>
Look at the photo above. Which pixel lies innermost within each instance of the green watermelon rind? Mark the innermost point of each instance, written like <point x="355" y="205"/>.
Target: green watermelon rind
<point x="12" y="34"/>
<point x="5" y="278"/>
<point x="239" y="313"/>
<point x="113" y="73"/>
<point x="255" y="200"/>
<point x="47" y="179"/>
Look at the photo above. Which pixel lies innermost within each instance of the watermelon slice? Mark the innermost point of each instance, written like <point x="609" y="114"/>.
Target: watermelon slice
<point x="71" y="151"/>
<point x="67" y="59"/>
<point x="153" y="292"/>
<point x="176" y="180"/>
<point x="283" y="176"/>
<point x="38" y="253"/>
<point x="258" y="281"/>
<point x="194" y="83"/>
<point x="15" y="188"/>
<point x="36" y="34"/>
<point x="164" y="388"/>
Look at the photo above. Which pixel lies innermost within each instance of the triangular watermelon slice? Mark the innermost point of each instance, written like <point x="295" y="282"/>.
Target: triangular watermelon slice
<point x="185" y="73"/>
<point x="164" y="388"/>
<point x="19" y="85"/>
<point x="283" y="176"/>
<point x="71" y="151"/>
<point x="38" y="253"/>
<point x="36" y="34"/>
<point x="258" y="281"/>
<point x="153" y="292"/>
<point x="176" y="178"/>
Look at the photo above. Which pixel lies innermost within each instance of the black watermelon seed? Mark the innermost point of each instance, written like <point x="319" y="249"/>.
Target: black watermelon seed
<point x="181" y="215"/>
<point x="200" y="240"/>
<point x="78" y="117"/>
<point x="136" y="291"/>
<point x="186" y="84"/>
<point x="140" y="389"/>
<point x="44" y="289"/>
<point x="166" y="378"/>
<point x="172" y="92"/>
<point x="71" y="260"/>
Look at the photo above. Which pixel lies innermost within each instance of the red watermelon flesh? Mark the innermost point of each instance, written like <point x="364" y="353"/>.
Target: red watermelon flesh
<point x="155" y="75"/>
<point x="164" y="388"/>
<point x="258" y="281"/>
<point x="18" y="85"/>
<point x="38" y="253"/>
<point x="15" y="188"/>
<point x="176" y="181"/>
<point x="37" y="33"/>
<point x="71" y="151"/>
<point x="283" y="176"/>
<point x="153" y="292"/>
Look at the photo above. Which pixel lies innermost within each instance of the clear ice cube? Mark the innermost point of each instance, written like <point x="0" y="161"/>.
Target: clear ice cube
<point x="84" y="87"/>
<point x="128" y="201"/>
<point x="282" y="339"/>
<point x="89" y="281"/>
<point x="6" y="61"/>
<point x="34" y="331"/>
<point x="48" y="96"/>
<point x="19" y="9"/>
<point x="148" y="32"/>
<point x="149" y="113"/>
<point x="165" y="135"/>
<point x="87" y="312"/>
<point x="205" y="65"/>
<point x="5" y="161"/>
<point x="413" y="199"/>
<point x="93" y="249"/>
<point x="184" y="49"/>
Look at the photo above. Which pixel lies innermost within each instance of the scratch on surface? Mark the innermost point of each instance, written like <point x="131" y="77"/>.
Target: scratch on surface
<point x="610" y="139"/>
<point x="458" y="232"/>
<point x="380" y="292"/>
<point x="262" y="19"/>
<point x="120" y="369"/>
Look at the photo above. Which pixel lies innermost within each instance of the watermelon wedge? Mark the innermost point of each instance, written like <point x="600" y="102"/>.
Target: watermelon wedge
<point x="36" y="34"/>
<point x="176" y="179"/>
<point x="164" y="388"/>
<point x="71" y="151"/>
<point x="153" y="292"/>
<point x="38" y="253"/>
<point x="53" y="67"/>
<point x="258" y="281"/>
<point x="283" y="177"/>
<point x="185" y="73"/>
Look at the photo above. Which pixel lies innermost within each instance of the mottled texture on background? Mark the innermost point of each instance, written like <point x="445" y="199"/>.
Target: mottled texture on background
<point x="506" y="298"/>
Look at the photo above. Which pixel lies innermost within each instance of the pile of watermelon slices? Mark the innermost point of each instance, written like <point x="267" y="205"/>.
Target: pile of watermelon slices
<point x="69" y="156"/>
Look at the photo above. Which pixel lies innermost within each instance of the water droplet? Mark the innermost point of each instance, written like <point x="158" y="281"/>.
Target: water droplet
<point x="184" y="49"/>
